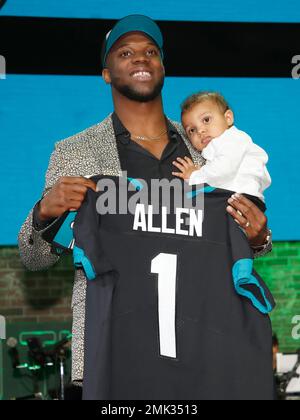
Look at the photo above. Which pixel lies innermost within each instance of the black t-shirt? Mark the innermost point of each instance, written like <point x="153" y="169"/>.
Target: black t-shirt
<point x="173" y="307"/>
<point x="139" y="163"/>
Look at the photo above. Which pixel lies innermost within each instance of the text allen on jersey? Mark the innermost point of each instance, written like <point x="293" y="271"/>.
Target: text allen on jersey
<point x="190" y="225"/>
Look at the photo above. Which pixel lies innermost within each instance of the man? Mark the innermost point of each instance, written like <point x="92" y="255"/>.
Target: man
<point x="137" y="138"/>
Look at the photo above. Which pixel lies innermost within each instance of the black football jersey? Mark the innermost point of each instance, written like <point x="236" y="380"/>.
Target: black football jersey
<point x="174" y="309"/>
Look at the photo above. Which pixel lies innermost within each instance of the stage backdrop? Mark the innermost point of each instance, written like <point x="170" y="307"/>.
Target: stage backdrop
<point x="53" y="86"/>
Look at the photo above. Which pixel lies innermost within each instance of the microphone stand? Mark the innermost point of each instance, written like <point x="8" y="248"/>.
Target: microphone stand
<point x="62" y="357"/>
<point x="60" y="352"/>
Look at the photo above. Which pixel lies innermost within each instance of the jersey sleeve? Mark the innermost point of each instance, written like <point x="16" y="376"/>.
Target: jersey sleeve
<point x="88" y="251"/>
<point x="247" y="282"/>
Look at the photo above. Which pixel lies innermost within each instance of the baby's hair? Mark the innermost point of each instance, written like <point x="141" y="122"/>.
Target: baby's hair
<point x="198" y="98"/>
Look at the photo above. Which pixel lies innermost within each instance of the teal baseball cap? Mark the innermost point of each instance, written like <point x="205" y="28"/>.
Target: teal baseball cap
<point x="132" y="23"/>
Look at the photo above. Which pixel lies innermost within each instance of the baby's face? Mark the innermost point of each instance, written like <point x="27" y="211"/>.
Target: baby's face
<point x="204" y="122"/>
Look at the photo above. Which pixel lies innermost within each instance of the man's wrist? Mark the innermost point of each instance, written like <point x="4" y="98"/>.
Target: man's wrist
<point x="41" y="212"/>
<point x="266" y="243"/>
<point x="38" y="222"/>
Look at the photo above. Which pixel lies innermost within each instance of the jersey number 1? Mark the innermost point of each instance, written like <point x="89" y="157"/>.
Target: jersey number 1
<point x="165" y="265"/>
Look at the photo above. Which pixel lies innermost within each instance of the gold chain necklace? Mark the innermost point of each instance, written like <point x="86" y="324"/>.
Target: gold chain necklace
<point x="144" y="138"/>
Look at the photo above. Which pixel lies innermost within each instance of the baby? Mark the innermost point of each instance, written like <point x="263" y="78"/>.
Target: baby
<point x="233" y="161"/>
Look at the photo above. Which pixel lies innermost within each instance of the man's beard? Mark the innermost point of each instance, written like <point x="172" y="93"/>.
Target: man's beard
<point x="130" y="93"/>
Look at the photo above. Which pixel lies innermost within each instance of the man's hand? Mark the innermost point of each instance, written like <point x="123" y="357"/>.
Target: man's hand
<point x="67" y="194"/>
<point x="186" y="167"/>
<point x="250" y="218"/>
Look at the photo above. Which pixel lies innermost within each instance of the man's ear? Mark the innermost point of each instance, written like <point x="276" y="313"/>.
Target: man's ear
<point x="229" y="117"/>
<point x="106" y="76"/>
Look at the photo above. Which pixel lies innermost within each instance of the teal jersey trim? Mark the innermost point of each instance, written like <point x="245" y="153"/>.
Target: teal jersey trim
<point x="242" y="275"/>
<point x="205" y="190"/>
<point x="82" y="261"/>
<point x="64" y="236"/>
<point x="136" y="183"/>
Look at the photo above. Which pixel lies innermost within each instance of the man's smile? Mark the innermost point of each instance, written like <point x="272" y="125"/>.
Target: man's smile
<point x="141" y="75"/>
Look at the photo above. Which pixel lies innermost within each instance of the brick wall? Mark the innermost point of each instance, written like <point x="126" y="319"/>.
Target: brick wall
<point x="281" y="272"/>
<point x="34" y="296"/>
<point x="46" y="296"/>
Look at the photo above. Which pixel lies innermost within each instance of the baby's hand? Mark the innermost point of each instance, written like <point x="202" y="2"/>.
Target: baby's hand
<point x="186" y="166"/>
